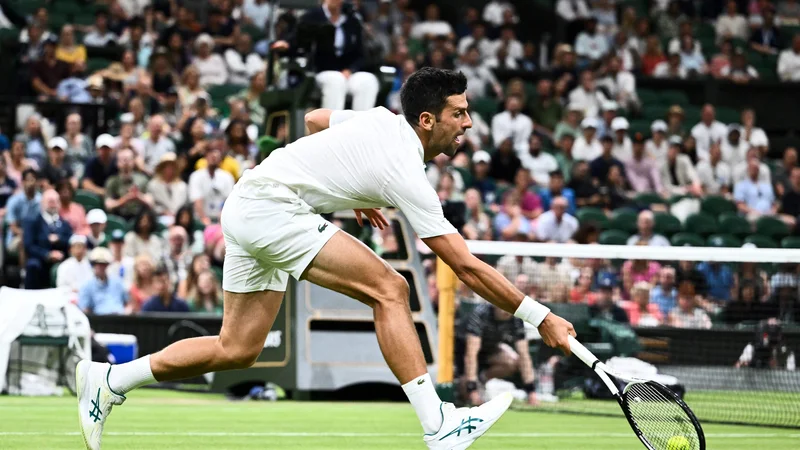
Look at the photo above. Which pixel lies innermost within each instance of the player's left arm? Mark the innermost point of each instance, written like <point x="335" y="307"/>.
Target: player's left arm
<point x="322" y="119"/>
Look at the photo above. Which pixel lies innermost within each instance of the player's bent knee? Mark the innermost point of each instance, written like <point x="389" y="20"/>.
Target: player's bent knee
<point x="394" y="290"/>
<point x="241" y="357"/>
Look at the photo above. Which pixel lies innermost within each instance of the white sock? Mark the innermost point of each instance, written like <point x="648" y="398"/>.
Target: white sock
<point x="126" y="377"/>
<point x="422" y="394"/>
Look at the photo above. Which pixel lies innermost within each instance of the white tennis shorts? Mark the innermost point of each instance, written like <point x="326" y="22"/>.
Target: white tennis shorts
<point x="268" y="239"/>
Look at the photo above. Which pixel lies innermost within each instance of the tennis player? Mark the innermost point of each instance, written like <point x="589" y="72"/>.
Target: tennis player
<point x="273" y="229"/>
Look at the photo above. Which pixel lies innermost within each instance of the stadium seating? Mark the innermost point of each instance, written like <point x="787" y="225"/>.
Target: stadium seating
<point x="761" y="241"/>
<point x="613" y="237"/>
<point x="116" y="223"/>
<point x="593" y="215"/>
<point x="688" y="239"/>
<point x="772" y="227"/>
<point x="623" y="219"/>
<point x="667" y="224"/>
<point x="790" y="242"/>
<point x="734" y="224"/>
<point x="724" y="240"/>
<point x="717" y="205"/>
<point x="89" y="200"/>
<point x="700" y="223"/>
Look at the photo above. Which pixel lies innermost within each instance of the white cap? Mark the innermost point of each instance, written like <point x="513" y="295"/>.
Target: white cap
<point x="481" y="156"/>
<point x="77" y="239"/>
<point x="100" y="255"/>
<point x="126" y="118"/>
<point x="204" y="38"/>
<point x="758" y="140"/>
<point x="658" y="125"/>
<point x="96" y="216"/>
<point x="589" y="122"/>
<point x="105" y="140"/>
<point x="620" y="123"/>
<point x="610" y="105"/>
<point x="57" y="141"/>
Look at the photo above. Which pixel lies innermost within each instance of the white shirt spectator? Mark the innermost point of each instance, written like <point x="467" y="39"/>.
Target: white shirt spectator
<point x="134" y="8"/>
<point x="485" y="46"/>
<point x="656" y="151"/>
<point x="434" y="27"/>
<point x="550" y="229"/>
<point x="479" y="130"/>
<point x="740" y="173"/>
<point x="257" y="11"/>
<point x="623" y="151"/>
<point x="713" y="178"/>
<point x="750" y="70"/>
<point x="153" y="151"/>
<point x="662" y="71"/>
<point x="513" y="47"/>
<point x="675" y="46"/>
<point x="656" y="240"/>
<point x="705" y="134"/>
<point x="593" y="47"/>
<point x="242" y="67"/>
<point x="789" y="65"/>
<point x="511" y="266"/>
<point x="586" y="151"/>
<point x="571" y="10"/>
<point x="734" y="154"/>
<point x="621" y="86"/>
<point x="518" y="129"/>
<point x="480" y="79"/>
<point x="731" y="26"/>
<point x="540" y="166"/>
<point x="24" y="38"/>
<point x="494" y="11"/>
<point x="588" y="102"/>
<point x="96" y="39"/>
<point x="73" y="274"/>
<point x="212" y="190"/>
<point x="213" y="70"/>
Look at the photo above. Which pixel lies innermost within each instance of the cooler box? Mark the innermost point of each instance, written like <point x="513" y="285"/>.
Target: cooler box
<point x="124" y="347"/>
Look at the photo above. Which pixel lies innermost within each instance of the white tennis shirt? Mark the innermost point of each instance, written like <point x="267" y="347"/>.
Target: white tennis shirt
<point x="365" y="159"/>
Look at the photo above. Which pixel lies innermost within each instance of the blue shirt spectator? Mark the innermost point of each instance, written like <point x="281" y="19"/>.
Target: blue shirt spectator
<point x="22" y="205"/>
<point x="156" y="304"/>
<point x="74" y="90"/>
<point x="719" y="278"/>
<point x="547" y="196"/>
<point x="753" y="195"/>
<point x="101" y="297"/>
<point x="665" y="298"/>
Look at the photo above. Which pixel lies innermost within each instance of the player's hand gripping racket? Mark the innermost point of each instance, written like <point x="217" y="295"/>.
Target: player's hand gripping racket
<point x="660" y="419"/>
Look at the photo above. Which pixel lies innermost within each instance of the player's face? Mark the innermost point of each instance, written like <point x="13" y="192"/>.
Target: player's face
<point x="449" y="129"/>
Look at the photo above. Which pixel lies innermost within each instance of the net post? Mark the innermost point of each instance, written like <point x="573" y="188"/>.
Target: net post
<point x="446" y="283"/>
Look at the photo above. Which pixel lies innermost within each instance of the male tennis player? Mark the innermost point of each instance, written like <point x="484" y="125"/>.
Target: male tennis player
<point x="273" y="229"/>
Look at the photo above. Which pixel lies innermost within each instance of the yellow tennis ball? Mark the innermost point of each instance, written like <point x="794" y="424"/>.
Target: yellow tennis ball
<point x="678" y="443"/>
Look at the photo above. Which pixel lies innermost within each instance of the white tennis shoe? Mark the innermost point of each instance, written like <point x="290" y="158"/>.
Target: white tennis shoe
<point x="461" y="427"/>
<point x="95" y="400"/>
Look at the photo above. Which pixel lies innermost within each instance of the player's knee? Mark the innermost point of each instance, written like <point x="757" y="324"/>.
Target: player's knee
<point x="394" y="290"/>
<point x="242" y="356"/>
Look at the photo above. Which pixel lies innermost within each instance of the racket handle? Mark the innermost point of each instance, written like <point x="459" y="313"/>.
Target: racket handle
<point x="582" y="352"/>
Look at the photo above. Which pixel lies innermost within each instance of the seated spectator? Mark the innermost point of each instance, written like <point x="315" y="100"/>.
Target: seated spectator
<point x="671" y="68"/>
<point x="669" y="19"/>
<point x="789" y="208"/>
<point x="570" y="125"/>
<point x="614" y="191"/>
<point x="733" y="147"/>
<point x="101" y="167"/>
<point x="126" y="192"/>
<point x="587" y="146"/>
<point x="789" y="12"/>
<point x="432" y="26"/>
<point x="163" y="75"/>
<point x="121" y="267"/>
<point x="620" y="83"/>
<point x="510" y="223"/>
<point x="586" y="96"/>
<point x="200" y="263"/>
<point x="754" y="198"/>
<point x="190" y="88"/>
<point x="206" y="297"/>
<point x="715" y="174"/>
<point x="556" y="225"/>
<point x="156" y="143"/>
<point x="564" y="155"/>
<point x="547" y="110"/>
<point x="692" y="61"/>
<point x="783" y="171"/>
<point x="48" y="72"/>
<point x="719" y="279"/>
<point x="574" y="12"/>
<point x="143" y="285"/>
<point x="767" y="39"/>
<point x="599" y="166"/>
<point x="169" y="192"/>
<point x="96" y="236"/>
<point x="479" y="77"/>
<point x="645" y="235"/>
<point x="20" y="206"/>
<point x="100" y="35"/>
<point x="677" y="173"/>
<point x="740" y="171"/>
<point x="222" y="27"/>
<point x="242" y="61"/>
<point x="72" y="212"/>
<point x="40" y="19"/>
<point x="722" y="59"/>
<point x="557" y="188"/>
<point x="46" y="241"/>
<point x="642" y="313"/>
<point x="178" y="257"/>
<point x="641" y="170"/>
<point x="586" y="192"/>
<point x="605" y="306"/>
<point x="495" y="339"/>
<point x="608" y="112"/>
<point x="477" y="38"/>
<point x="16" y="162"/>
<point x="748" y="307"/>
<point x="675" y="124"/>
<point x="591" y="45"/>
<point x="653" y="56"/>
<point x="685" y="31"/>
<point x="623" y="146"/>
<point x="79" y="146"/>
<point x="102" y="295"/>
<point x="481" y="180"/>
<point x="75" y="271"/>
<point x="164" y="299"/>
<point x="209" y="187"/>
<point x="739" y="71"/>
<point x="688" y="314"/>
<point x="582" y="291"/>
<point x="67" y="50"/>
<point x="665" y="294"/>
<point x="7" y="189"/>
<point x="210" y="66"/>
<point x="530" y="202"/>
<point x="35" y="140"/>
<point x="478" y="225"/>
<point x="538" y="162"/>
<point x="143" y="238"/>
<point x="731" y="25"/>
<point x="789" y="61"/>
<point x="56" y="169"/>
<point x="512" y="124"/>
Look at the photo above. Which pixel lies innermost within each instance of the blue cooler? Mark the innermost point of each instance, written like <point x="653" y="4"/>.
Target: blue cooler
<point x="124" y="347"/>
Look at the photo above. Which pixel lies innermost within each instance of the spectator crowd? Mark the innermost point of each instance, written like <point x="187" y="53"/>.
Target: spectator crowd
<point x="128" y="219"/>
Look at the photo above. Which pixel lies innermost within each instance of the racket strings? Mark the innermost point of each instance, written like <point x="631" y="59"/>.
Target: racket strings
<point x="659" y="417"/>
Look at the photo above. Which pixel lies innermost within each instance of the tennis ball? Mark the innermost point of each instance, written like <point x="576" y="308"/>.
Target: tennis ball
<point x="678" y="443"/>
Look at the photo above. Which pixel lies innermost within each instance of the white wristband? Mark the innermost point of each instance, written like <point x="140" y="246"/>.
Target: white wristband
<point x="532" y="311"/>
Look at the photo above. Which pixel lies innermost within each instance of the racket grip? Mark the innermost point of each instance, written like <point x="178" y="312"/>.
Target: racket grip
<point x="582" y="352"/>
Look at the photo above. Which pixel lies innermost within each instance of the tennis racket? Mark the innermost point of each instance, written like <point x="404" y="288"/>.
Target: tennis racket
<point x="658" y="416"/>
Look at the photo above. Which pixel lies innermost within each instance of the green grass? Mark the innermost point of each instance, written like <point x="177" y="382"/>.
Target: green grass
<point x="157" y="419"/>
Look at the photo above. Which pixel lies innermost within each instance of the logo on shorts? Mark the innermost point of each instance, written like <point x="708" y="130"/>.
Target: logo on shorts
<point x="322" y="227"/>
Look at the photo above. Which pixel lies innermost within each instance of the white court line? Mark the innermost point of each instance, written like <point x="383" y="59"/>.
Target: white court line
<point x="389" y="435"/>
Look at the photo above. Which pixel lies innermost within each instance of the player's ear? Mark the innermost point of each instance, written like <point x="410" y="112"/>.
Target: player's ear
<point x="427" y="121"/>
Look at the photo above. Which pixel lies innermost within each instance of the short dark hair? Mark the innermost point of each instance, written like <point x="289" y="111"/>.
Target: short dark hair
<point x="427" y="90"/>
<point x="31" y="172"/>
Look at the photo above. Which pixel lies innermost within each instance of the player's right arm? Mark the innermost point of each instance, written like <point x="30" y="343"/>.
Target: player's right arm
<point x="488" y="283"/>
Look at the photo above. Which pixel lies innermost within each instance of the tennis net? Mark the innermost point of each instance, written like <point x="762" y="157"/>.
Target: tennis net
<point x="718" y="324"/>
